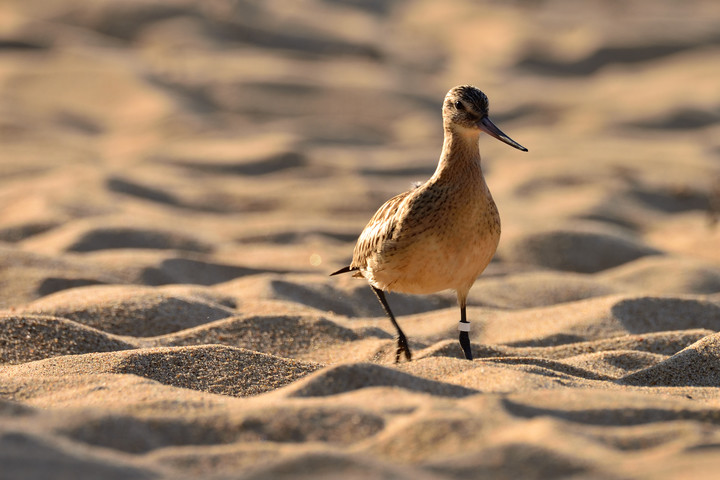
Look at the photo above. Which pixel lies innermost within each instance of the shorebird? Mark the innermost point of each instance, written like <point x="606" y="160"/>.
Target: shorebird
<point x="442" y="234"/>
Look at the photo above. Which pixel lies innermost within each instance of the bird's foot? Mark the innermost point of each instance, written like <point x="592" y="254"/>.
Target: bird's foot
<point x="402" y="346"/>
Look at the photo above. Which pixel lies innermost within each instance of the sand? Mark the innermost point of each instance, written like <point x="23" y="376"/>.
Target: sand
<point x="178" y="179"/>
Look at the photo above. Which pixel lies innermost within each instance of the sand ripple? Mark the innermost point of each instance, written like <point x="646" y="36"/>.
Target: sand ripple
<point x="126" y="311"/>
<point x="27" y="338"/>
<point x="243" y="372"/>
<point x="178" y="179"/>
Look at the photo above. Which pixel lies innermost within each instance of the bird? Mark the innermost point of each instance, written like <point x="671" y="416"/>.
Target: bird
<point x="443" y="233"/>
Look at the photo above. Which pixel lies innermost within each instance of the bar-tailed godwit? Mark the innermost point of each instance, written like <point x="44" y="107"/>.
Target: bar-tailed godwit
<point x="442" y="234"/>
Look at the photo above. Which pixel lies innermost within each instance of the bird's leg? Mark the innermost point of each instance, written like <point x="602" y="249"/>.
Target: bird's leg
<point x="402" y="344"/>
<point x="464" y="328"/>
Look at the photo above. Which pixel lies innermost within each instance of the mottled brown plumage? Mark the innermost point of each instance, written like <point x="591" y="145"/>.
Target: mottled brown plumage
<point x="442" y="234"/>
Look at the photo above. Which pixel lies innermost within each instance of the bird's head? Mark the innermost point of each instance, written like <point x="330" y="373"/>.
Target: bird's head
<point x="467" y="107"/>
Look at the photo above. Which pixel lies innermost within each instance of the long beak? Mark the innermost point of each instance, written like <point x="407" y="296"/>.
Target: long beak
<point x="489" y="127"/>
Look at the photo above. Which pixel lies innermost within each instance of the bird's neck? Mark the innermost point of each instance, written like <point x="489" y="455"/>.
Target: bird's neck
<point x="460" y="154"/>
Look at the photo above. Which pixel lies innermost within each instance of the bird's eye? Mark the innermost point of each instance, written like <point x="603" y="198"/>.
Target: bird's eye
<point x="459" y="105"/>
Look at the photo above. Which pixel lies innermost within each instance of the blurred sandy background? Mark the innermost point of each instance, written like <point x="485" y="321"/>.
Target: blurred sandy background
<point x="178" y="178"/>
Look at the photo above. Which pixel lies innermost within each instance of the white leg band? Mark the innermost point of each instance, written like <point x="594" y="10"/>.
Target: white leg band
<point x="464" y="326"/>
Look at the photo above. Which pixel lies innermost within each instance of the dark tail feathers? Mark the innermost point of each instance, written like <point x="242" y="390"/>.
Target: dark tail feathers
<point x="343" y="270"/>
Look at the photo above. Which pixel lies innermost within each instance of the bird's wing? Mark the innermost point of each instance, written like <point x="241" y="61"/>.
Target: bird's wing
<point x="378" y="232"/>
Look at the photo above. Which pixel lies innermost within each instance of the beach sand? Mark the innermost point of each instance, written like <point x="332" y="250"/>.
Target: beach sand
<point x="178" y="179"/>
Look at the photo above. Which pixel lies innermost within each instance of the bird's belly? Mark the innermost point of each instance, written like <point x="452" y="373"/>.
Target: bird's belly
<point x="435" y="262"/>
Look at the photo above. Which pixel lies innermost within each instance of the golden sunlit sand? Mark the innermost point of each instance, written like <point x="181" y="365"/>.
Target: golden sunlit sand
<point x="178" y="179"/>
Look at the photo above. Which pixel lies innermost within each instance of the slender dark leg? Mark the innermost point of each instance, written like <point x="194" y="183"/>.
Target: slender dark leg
<point x="464" y="336"/>
<point x="402" y="345"/>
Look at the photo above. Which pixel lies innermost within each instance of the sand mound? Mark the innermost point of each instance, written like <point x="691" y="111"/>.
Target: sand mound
<point x="27" y="338"/>
<point x="659" y="343"/>
<point x="666" y="275"/>
<point x="281" y="335"/>
<point x="536" y="289"/>
<point x="103" y="238"/>
<point x="593" y="319"/>
<point x="616" y="363"/>
<point x="129" y="310"/>
<point x="603" y="407"/>
<point x="516" y="460"/>
<point x="89" y="237"/>
<point x="438" y="368"/>
<point x="451" y="349"/>
<point x="117" y="393"/>
<point x="584" y="320"/>
<point x="260" y="160"/>
<point x="193" y="271"/>
<point x="654" y="345"/>
<point x="348" y="296"/>
<point x="223" y="459"/>
<point x="138" y="190"/>
<point x="325" y="465"/>
<point x="159" y="267"/>
<point x="336" y="425"/>
<point x="31" y="456"/>
<point x="210" y="368"/>
<point x="345" y="378"/>
<point x="34" y="275"/>
<point x="15" y="409"/>
<point x="653" y="314"/>
<point x="17" y="232"/>
<point x="584" y="250"/>
<point x="549" y="367"/>
<point x="698" y="364"/>
<point x="435" y="432"/>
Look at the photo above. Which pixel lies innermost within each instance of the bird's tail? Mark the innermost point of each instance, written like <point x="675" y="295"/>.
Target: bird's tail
<point x="344" y="270"/>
